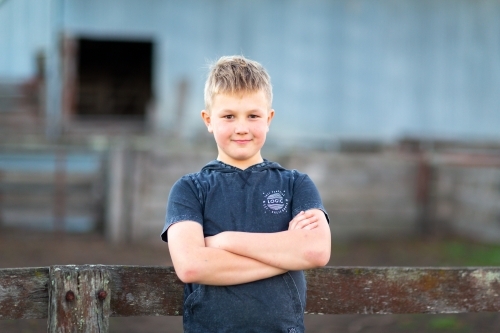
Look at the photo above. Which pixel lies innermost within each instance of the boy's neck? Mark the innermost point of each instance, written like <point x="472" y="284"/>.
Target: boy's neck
<point x="244" y="164"/>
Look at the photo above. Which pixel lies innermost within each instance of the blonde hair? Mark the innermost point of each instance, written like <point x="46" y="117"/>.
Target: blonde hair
<point x="236" y="74"/>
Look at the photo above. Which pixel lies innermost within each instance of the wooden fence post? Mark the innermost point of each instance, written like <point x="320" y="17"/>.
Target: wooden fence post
<point x="79" y="299"/>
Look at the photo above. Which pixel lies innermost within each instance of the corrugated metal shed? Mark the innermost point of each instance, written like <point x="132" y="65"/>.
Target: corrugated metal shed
<point x="341" y="69"/>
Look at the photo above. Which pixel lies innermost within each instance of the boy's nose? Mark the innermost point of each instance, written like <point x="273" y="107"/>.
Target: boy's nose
<point x="241" y="127"/>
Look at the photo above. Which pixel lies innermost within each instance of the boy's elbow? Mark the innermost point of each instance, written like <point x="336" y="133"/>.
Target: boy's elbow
<point x="323" y="259"/>
<point x="187" y="274"/>
<point x="318" y="257"/>
<point x="318" y="254"/>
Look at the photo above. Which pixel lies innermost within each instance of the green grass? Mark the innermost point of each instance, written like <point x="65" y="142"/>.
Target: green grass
<point x="415" y="252"/>
<point x="448" y="323"/>
<point x="471" y="254"/>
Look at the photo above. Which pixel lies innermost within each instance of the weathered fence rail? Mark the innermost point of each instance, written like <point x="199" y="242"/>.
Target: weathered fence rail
<point x="82" y="298"/>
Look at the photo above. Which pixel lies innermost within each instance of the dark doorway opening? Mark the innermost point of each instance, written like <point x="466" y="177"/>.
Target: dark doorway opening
<point x="114" y="79"/>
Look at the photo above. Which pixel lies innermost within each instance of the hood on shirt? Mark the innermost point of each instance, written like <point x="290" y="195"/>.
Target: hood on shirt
<point x="223" y="167"/>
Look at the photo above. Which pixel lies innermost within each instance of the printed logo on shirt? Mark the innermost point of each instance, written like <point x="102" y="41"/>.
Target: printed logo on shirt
<point x="292" y="330"/>
<point x="275" y="202"/>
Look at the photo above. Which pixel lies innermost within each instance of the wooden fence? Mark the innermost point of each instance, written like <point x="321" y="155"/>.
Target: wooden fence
<point x="59" y="188"/>
<point x="82" y="298"/>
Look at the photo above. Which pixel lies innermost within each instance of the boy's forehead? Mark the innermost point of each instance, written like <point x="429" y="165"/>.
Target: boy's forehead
<point x="257" y="96"/>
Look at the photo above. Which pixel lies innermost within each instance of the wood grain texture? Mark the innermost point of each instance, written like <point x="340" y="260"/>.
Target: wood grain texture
<point x="75" y="305"/>
<point x="24" y="293"/>
<point x="350" y="290"/>
<point x="145" y="291"/>
<point x="156" y="290"/>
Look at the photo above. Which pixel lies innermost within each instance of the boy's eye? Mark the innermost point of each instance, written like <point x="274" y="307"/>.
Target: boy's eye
<point x="253" y="116"/>
<point x="228" y="116"/>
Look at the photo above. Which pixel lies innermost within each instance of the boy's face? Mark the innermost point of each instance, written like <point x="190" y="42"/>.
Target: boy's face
<point x="239" y="123"/>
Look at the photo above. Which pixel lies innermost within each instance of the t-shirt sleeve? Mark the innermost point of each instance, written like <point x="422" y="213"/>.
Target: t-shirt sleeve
<point x="306" y="196"/>
<point x="184" y="204"/>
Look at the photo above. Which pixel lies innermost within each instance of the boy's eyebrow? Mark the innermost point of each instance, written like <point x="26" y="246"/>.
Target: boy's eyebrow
<point x="251" y="110"/>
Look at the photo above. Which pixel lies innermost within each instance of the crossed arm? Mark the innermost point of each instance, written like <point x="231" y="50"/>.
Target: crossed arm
<point x="238" y="257"/>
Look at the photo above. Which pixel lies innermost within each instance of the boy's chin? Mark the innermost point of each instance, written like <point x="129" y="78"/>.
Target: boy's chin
<point x="241" y="159"/>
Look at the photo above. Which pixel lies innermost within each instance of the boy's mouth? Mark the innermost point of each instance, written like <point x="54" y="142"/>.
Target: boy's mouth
<point x="242" y="141"/>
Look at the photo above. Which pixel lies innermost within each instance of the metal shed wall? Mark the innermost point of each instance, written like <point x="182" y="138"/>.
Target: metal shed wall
<point x="341" y="69"/>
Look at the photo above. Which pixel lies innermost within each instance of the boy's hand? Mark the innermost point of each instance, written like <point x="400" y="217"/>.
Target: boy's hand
<point x="306" y="244"/>
<point x="305" y="220"/>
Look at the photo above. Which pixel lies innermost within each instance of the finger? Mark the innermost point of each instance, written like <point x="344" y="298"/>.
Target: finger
<point x="293" y="223"/>
<point x="310" y="214"/>
<point x="308" y="218"/>
<point x="302" y="219"/>
<point x="311" y="226"/>
<point x="305" y="222"/>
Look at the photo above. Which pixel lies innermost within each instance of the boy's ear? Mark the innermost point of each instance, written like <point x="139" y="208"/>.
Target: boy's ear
<point x="205" y="115"/>
<point x="270" y="116"/>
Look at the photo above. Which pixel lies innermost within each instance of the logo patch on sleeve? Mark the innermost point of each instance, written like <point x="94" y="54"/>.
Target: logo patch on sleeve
<point x="275" y="202"/>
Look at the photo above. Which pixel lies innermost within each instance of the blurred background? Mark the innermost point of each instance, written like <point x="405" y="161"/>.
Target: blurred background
<point x="391" y="106"/>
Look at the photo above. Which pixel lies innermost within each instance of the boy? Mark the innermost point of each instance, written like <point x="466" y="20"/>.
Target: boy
<point x="241" y="230"/>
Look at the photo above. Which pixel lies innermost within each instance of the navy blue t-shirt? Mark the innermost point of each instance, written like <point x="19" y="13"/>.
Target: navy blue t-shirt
<point x="262" y="198"/>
